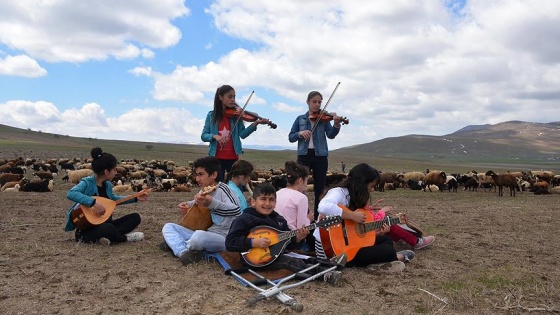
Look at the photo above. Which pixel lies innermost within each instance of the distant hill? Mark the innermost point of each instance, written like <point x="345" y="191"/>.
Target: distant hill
<point x="512" y="140"/>
<point x="509" y="145"/>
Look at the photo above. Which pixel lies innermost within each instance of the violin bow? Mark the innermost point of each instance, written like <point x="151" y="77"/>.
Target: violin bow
<point x="242" y="111"/>
<point x="325" y="108"/>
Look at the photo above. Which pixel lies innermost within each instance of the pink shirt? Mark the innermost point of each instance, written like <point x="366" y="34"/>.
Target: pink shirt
<point x="293" y="206"/>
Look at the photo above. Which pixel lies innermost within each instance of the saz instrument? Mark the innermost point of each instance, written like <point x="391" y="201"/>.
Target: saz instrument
<point x="85" y="217"/>
<point x="349" y="236"/>
<point x="198" y="217"/>
<point x="260" y="257"/>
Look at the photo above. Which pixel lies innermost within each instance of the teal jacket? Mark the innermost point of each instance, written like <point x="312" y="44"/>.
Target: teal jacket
<point x="210" y="130"/>
<point x="83" y="194"/>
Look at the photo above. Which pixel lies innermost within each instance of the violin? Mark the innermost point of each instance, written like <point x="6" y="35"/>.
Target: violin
<point x="246" y="116"/>
<point x="328" y="117"/>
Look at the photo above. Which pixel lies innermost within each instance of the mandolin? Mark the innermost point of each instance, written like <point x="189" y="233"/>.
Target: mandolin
<point x="198" y="217"/>
<point x="349" y="236"/>
<point x="85" y="217"/>
<point x="260" y="257"/>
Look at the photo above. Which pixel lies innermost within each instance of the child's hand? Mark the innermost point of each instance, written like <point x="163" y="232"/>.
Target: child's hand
<point x="383" y="230"/>
<point x="358" y="217"/>
<point x="261" y="242"/>
<point x="301" y="234"/>
<point x="183" y="207"/>
<point x="203" y="200"/>
<point x="99" y="209"/>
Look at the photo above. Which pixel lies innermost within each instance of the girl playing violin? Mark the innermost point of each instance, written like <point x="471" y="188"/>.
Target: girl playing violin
<point x="312" y="146"/>
<point x="225" y="143"/>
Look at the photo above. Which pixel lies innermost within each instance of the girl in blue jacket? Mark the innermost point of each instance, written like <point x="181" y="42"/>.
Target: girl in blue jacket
<point x="111" y="231"/>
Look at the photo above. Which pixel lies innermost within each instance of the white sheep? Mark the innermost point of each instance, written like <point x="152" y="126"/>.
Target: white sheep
<point x="75" y="176"/>
<point x="12" y="189"/>
<point x="124" y="189"/>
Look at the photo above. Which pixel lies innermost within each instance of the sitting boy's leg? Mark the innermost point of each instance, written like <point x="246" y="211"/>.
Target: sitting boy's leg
<point x="175" y="236"/>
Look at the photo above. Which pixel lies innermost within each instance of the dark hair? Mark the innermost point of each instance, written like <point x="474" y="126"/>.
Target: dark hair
<point x="210" y="164"/>
<point x="218" y="112"/>
<point x="102" y="161"/>
<point x="264" y="189"/>
<point x="356" y="182"/>
<point x="295" y="171"/>
<point x="240" y="167"/>
<point x="313" y="94"/>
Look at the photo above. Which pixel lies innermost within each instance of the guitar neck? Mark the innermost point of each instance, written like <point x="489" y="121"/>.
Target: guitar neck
<point x="375" y="225"/>
<point x="127" y="198"/>
<point x="292" y="233"/>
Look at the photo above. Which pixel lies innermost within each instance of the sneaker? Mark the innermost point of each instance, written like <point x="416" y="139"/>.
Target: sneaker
<point x="340" y="259"/>
<point x="104" y="241"/>
<point x="390" y="267"/>
<point x="164" y="247"/>
<point x="332" y="277"/>
<point x="190" y="256"/>
<point x="408" y="255"/>
<point x="134" y="236"/>
<point x="424" y="242"/>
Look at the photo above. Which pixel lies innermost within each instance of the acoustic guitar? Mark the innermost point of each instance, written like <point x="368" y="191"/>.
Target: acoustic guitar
<point x="198" y="217"/>
<point x="349" y="236"/>
<point x="85" y="217"/>
<point x="260" y="257"/>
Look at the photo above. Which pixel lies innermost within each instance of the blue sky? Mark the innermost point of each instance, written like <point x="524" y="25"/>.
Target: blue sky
<point x="148" y="70"/>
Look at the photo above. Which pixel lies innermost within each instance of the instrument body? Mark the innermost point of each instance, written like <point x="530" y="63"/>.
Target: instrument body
<point x="279" y="240"/>
<point x="85" y="217"/>
<point x="349" y="237"/>
<point x="198" y="217"/>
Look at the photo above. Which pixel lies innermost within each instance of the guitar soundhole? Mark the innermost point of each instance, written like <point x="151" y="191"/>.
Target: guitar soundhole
<point x="360" y="229"/>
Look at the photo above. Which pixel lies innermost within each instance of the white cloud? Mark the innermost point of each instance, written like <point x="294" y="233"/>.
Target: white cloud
<point x="152" y="125"/>
<point x="66" y="30"/>
<point x="22" y="66"/>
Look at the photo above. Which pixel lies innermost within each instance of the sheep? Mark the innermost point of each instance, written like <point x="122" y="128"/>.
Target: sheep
<point x="77" y="175"/>
<point x="12" y="189"/>
<point x="452" y="184"/>
<point x="555" y="190"/>
<point x="502" y="180"/>
<point x="388" y="177"/>
<point x="436" y="178"/>
<point x="124" y="189"/>
<point x="416" y="176"/>
<point x="4" y="178"/>
<point x="181" y="188"/>
<point x="471" y="184"/>
<point x="22" y="182"/>
<point x="432" y="188"/>
<point x="43" y="174"/>
<point x="414" y="185"/>
<point x="37" y="186"/>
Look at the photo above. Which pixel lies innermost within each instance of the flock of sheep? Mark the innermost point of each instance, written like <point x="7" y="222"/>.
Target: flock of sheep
<point x="133" y="175"/>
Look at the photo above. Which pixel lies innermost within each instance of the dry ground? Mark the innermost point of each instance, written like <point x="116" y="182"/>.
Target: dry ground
<point x="493" y="255"/>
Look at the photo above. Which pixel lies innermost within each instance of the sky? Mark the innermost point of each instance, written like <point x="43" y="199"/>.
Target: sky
<point x="148" y="70"/>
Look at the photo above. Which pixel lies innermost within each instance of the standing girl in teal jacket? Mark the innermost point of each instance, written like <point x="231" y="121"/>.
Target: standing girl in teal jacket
<point x="104" y="166"/>
<point x="225" y="143"/>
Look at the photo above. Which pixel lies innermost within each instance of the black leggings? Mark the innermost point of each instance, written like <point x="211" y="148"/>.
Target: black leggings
<point x="382" y="251"/>
<point x="318" y="165"/>
<point x="114" y="230"/>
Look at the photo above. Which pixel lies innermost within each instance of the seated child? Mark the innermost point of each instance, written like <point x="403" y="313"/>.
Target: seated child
<point x="223" y="204"/>
<point x="261" y="213"/>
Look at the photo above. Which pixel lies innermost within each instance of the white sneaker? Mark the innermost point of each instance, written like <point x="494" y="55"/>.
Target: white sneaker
<point x="134" y="236"/>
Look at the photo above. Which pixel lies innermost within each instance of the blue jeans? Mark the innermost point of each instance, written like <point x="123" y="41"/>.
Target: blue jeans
<point x="180" y="239"/>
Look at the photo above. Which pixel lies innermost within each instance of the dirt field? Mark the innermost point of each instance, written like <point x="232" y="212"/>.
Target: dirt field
<point x="493" y="255"/>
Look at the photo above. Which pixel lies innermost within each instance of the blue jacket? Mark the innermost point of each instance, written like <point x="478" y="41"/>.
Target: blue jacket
<point x="322" y="131"/>
<point x="210" y="129"/>
<point x="83" y="194"/>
